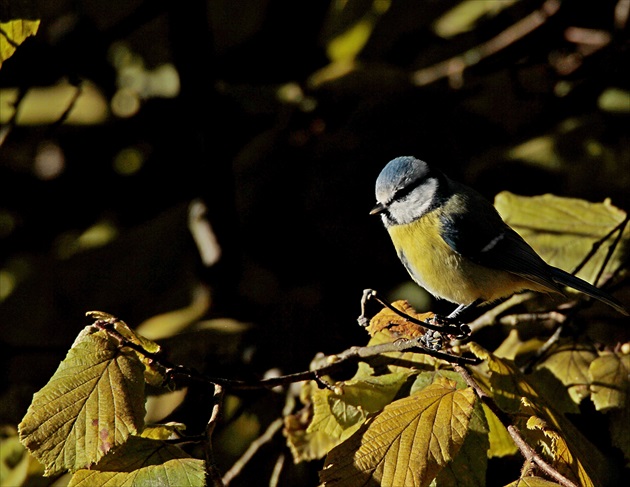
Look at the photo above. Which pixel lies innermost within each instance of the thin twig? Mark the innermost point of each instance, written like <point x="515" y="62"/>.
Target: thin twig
<point x="212" y="472"/>
<point x="455" y="66"/>
<point x="490" y="316"/>
<point x="331" y="364"/>
<point x="254" y="446"/>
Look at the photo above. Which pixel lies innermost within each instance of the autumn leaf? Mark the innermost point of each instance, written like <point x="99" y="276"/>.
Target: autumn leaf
<point x="564" y="230"/>
<point x="407" y="443"/>
<point x="144" y="461"/>
<point x="610" y="381"/>
<point x="92" y="403"/>
<point x="13" y="33"/>
<point x="569" y="362"/>
<point x="515" y="394"/>
<point x="468" y="469"/>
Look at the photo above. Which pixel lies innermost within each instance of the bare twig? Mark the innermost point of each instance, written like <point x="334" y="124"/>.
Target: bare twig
<point x="212" y="472"/>
<point x="329" y="364"/>
<point x="254" y="446"/>
<point x="454" y="67"/>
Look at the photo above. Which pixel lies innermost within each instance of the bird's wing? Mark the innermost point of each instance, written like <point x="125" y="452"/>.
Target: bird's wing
<point x="480" y="235"/>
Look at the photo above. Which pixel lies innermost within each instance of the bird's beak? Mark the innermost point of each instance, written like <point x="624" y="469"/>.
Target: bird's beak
<point x="380" y="207"/>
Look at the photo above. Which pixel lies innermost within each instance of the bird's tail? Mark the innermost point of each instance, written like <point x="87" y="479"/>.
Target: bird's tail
<point x="566" y="279"/>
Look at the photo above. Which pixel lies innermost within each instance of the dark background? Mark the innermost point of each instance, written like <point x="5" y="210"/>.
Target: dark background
<point x="287" y="184"/>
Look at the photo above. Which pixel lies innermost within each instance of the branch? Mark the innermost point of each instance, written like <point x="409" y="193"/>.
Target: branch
<point x="212" y="472"/>
<point x="329" y="365"/>
<point x="454" y="67"/>
<point x="254" y="446"/>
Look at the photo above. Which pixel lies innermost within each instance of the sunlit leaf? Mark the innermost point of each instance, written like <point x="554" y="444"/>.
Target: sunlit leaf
<point x="306" y="446"/>
<point x="163" y="431"/>
<point x="465" y="15"/>
<point x="468" y="469"/>
<point x="570" y="362"/>
<point x="563" y="458"/>
<point x="514" y="393"/>
<point x="407" y="443"/>
<point x="501" y="443"/>
<point x="427" y="378"/>
<point x="172" y="322"/>
<point x="143" y="461"/>
<point x="13" y="33"/>
<point x="339" y="415"/>
<point x="614" y="100"/>
<point x="564" y="230"/>
<point x="93" y="402"/>
<point x="47" y="104"/>
<point x="154" y="374"/>
<point x="610" y="381"/>
<point x="399" y="327"/>
<point x="532" y="482"/>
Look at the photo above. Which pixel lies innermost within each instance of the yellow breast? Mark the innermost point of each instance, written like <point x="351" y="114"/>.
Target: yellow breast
<point x="435" y="266"/>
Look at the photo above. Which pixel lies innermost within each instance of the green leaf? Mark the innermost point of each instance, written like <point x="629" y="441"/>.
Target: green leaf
<point x="13" y="33"/>
<point x="340" y="414"/>
<point x="610" y="381"/>
<point x="143" y="461"/>
<point x="564" y="230"/>
<point x="93" y="402"/>
<point x="569" y="362"/>
<point x="427" y="378"/>
<point x="407" y="443"/>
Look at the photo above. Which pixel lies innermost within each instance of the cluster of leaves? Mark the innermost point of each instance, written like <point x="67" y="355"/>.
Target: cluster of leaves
<point x="405" y="418"/>
<point x="89" y="419"/>
<point x="409" y="419"/>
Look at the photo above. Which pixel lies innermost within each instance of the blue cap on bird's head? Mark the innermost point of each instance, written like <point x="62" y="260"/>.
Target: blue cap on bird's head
<point x="399" y="173"/>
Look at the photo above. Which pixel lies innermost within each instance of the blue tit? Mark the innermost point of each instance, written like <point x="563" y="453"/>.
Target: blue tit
<point x="454" y="244"/>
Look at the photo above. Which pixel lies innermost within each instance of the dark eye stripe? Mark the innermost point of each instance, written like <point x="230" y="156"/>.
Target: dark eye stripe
<point x="409" y="187"/>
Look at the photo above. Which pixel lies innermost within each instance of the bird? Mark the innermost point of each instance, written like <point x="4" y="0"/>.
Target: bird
<point x="454" y="243"/>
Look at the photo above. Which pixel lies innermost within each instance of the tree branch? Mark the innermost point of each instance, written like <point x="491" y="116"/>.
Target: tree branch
<point x="454" y="67"/>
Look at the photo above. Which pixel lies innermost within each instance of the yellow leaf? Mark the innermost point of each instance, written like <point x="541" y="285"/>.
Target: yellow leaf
<point x="610" y="381"/>
<point x="569" y="362"/>
<point x="407" y="443"/>
<point x="46" y="104"/>
<point x="514" y="393"/>
<point x="92" y="403"/>
<point x="465" y="15"/>
<point x="143" y="461"/>
<point x="532" y="482"/>
<point x="501" y="443"/>
<point x="348" y="44"/>
<point x="340" y="415"/>
<point x="13" y="33"/>
<point x="564" y="230"/>
<point x="468" y="469"/>
<point x="563" y="459"/>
